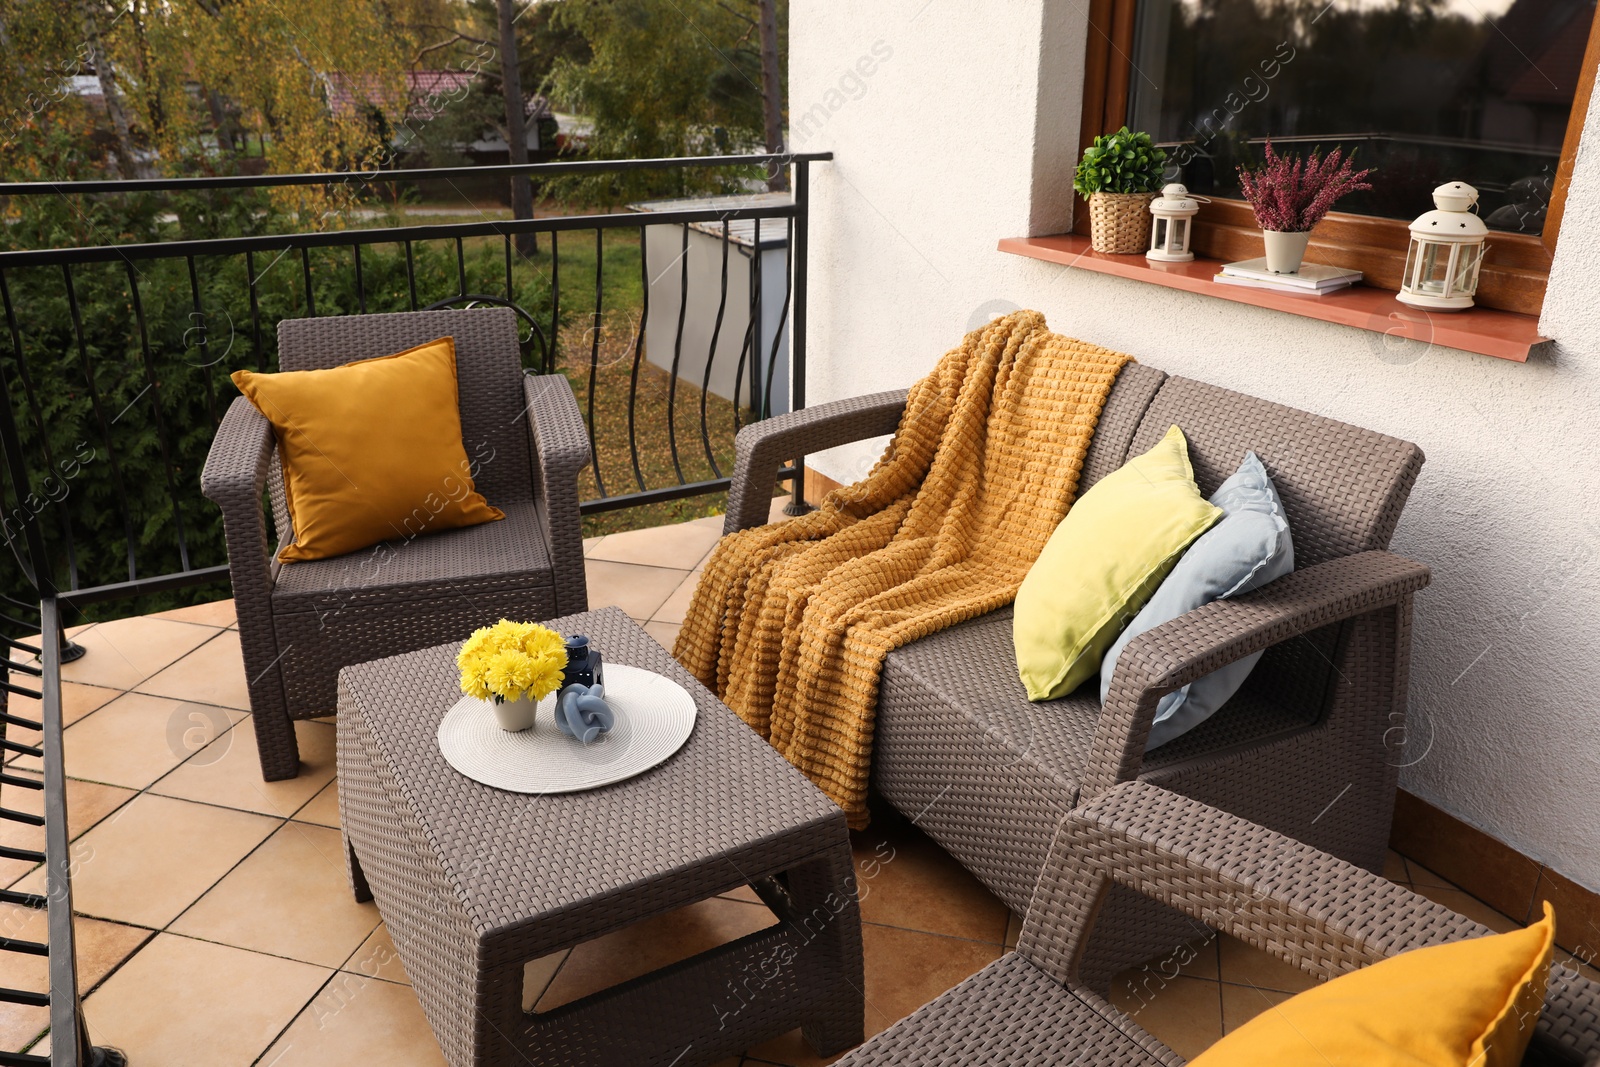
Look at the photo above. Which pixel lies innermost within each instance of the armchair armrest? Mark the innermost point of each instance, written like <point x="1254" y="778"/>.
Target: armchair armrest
<point x="560" y="452"/>
<point x="1193" y="645"/>
<point x="762" y="447"/>
<point x="1324" y="915"/>
<point x="234" y="477"/>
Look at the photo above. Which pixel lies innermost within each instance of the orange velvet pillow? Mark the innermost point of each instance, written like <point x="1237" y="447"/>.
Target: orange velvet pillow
<point x="371" y="451"/>
<point x="1471" y="1003"/>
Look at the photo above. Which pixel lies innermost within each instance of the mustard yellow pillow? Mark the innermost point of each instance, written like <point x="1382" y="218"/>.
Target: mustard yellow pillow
<point x="1102" y="563"/>
<point x="371" y="451"/>
<point x="1464" y="1004"/>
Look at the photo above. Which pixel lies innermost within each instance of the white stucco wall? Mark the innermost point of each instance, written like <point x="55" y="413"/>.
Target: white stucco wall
<point x="961" y="134"/>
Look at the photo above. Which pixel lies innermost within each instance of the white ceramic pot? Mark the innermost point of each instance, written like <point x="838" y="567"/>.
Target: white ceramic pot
<point x="515" y="715"/>
<point x="1285" y="251"/>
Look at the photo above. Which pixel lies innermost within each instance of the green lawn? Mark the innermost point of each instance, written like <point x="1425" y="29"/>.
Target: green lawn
<point x="610" y="362"/>
<point x="622" y="283"/>
<point x="607" y="357"/>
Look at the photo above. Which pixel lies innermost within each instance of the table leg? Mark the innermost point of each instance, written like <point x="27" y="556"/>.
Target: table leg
<point x="824" y="896"/>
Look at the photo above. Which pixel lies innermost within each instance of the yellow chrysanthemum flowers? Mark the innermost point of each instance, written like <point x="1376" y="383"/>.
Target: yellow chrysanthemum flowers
<point x="510" y="660"/>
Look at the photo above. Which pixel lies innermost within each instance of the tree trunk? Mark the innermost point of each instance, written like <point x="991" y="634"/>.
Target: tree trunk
<point x="772" y="91"/>
<point x="220" y="122"/>
<point x="108" y="90"/>
<point x="516" y="128"/>
<point x="154" y="109"/>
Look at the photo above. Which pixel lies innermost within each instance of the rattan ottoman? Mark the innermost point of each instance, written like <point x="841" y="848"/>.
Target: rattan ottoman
<point x="473" y="881"/>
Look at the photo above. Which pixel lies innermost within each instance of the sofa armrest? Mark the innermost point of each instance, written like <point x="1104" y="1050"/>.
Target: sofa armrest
<point x="234" y="477"/>
<point x="1314" y="911"/>
<point x="1198" y="642"/>
<point x="560" y="453"/>
<point x="763" y="447"/>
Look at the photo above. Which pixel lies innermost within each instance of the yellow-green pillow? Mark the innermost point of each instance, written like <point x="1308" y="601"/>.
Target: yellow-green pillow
<point x="1463" y="1004"/>
<point x="371" y="451"/>
<point x="1102" y="563"/>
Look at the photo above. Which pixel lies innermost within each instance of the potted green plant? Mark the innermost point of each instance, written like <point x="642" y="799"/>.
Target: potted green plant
<point x="1118" y="175"/>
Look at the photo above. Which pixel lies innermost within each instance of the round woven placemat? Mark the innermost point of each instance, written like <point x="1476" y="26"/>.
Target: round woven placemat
<point x="655" y="716"/>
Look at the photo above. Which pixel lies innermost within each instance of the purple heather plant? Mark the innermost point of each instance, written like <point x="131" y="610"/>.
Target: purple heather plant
<point x="1292" y="194"/>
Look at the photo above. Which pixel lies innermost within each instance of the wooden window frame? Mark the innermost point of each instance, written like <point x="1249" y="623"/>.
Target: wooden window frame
<point x="1516" y="267"/>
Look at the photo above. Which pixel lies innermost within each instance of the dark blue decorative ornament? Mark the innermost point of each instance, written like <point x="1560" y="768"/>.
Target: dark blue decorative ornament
<point x="583" y="663"/>
<point x="582" y="712"/>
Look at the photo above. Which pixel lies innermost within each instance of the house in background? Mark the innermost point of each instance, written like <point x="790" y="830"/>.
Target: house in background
<point x="430" y="95"/>
<point x="489" y="148"/>
<point x="1532" y="67"/>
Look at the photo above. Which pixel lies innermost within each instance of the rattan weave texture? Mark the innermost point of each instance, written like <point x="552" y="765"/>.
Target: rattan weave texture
<point x="235" y="477"/>
<point x="1325" y="916"/>
<point x="473" y="881"/>
<point x="310" y="662"/>
<point x="763" y="447"/>
<point x="1307" y="747"/>
<point x="1009" y="1013"/>
<point x="934" y="710"/>
<point x="300" y="623"/>
<point x="478" y="559"/>
<point x="1119" y="223"/>
<point x="791" y="622"/>
<point x="560" y="453"/>
<point x="1342" y="487"/>
<point x="1130" y="398"/>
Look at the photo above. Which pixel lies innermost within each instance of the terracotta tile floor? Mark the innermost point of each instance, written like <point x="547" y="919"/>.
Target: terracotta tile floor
<point x="217" y="928"/>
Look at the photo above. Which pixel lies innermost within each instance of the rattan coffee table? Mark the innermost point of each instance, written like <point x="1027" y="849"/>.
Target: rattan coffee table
<point x="473" y="882"/>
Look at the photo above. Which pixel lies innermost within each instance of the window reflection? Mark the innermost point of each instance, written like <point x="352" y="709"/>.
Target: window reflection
<point x="1427" y="91"/>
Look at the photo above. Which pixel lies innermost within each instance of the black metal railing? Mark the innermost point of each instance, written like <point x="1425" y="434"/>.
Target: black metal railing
<point x="114" y="354"/>
<point x="41" y="664"/>
<point x="107" y="409"/>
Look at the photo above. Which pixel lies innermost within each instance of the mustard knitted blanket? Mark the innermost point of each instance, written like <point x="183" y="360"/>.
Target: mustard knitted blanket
<point x="791" y="622"/>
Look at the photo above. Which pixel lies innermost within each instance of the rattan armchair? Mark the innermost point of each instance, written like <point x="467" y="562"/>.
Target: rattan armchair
<point x="1037" y="1005"/>
<point x="1310" y="746"/>
<point x="299" y="623"/>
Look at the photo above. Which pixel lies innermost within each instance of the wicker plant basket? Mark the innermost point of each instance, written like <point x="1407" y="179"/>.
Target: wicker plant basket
<point x="1119" y="223"/>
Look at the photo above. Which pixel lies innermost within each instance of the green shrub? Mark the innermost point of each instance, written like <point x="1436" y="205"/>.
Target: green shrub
<point x="1121" y="162"/>
<point x="115" y="429"/>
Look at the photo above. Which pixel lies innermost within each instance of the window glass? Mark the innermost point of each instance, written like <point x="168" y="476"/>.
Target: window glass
<point x="1426" y="91"/>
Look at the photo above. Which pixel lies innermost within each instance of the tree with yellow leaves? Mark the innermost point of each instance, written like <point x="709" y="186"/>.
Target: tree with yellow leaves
<point x="193" y="86"/>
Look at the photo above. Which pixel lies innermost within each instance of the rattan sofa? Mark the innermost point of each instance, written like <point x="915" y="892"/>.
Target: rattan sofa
<point x="1308" y="747"/>
<point x="1036" y="1006"/>
<point x="299" y="623"/>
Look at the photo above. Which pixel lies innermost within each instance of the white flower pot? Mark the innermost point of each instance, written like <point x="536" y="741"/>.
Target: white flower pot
<point x="515" y="715"/>
<point x="1285" y="251"/>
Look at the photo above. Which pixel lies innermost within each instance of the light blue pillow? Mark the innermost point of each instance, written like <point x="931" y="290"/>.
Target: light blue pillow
<point x="1246" y="549"/>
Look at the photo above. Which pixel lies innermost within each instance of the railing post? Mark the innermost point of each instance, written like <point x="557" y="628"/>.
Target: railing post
<point x="66" y="1008"/>
<point x="70" y="649"/>
<point x="797" y="324"/>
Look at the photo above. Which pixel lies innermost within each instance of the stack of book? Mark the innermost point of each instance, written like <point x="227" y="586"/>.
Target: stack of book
<point x="1312" y="279"/>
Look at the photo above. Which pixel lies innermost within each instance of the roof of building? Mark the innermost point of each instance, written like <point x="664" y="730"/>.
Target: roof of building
<point x="774" y="232"/>
<point x="429" y="92"/>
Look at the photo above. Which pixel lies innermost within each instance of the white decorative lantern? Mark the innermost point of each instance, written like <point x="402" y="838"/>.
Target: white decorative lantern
<point x="1170" y="227"/>
<point x="1445" y="253"/>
